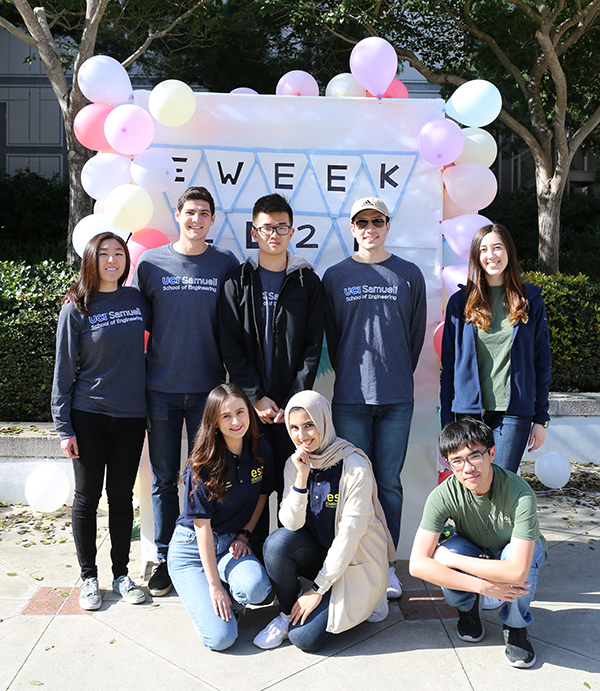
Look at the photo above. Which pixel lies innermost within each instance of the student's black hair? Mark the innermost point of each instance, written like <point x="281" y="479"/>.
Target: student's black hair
<point x="272" y="204"/>
<point x="197" y="193"/>
<point x="464" y="433"/>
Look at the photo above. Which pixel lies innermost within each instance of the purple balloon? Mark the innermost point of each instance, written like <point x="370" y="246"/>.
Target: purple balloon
<point x="440" y="141"/>
<point x="374" y="64"/>
<point x="453" y="275"/>
<point x="470" y="185"/>
<point x="459" y="232"/>
<point x="244" y="90"/>
<point x="129" y="129"/>
<point x="297" y="83"/>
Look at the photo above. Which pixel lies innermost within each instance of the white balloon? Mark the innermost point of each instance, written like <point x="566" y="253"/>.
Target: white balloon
<point x="103" y="79"/>
<point x="153" y="170"/>
<point x="103" y="172"/>
<point x="553" y="469"/>
<point x="480" y="147"/>
<point x="47" y="488"/>
<point x="345" y="85"/>
<point x="92" y="225"/>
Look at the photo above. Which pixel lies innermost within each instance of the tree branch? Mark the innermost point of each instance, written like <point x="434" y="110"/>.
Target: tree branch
<point x="21" y="35"/>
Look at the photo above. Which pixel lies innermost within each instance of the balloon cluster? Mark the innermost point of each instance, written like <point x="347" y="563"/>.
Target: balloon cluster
<point x="125" y="172"/>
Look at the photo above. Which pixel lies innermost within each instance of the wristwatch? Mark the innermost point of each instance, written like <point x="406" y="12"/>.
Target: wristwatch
<point x="317" y="589"/>
<point x="245" y="533"/>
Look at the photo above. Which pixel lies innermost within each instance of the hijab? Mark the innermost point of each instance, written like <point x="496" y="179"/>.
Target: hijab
<point x="332" y="448"/>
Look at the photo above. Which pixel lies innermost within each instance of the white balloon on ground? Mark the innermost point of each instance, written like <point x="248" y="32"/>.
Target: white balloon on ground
<point x="453" y="276"/>
<point x="553" y="469"/>
<point x="103" y="172"/>
<point x="103" y="79"/>
<point x="480" y="147"/>
<point x="470" y="185"/>
<point x="344" y="85"/>
<point x="172" y="103"/>
<point x="128" y="208"/>
<point x="475" y="104"/>
<point x="153" y="170"/>
<point x="47" y="488"/>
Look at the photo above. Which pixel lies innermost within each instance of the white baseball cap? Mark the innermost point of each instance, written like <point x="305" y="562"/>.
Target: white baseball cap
<point x="367" y="203"/>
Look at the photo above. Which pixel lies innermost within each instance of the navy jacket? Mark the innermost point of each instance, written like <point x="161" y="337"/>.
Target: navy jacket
<point x="460" y="391"/>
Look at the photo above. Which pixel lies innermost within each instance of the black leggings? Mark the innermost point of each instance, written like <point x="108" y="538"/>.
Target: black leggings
<point x="117" y="444"/>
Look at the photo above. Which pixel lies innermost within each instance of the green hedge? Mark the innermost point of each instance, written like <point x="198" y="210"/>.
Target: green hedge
<point x="573" y="308"/>
<point x="30" y="298"/>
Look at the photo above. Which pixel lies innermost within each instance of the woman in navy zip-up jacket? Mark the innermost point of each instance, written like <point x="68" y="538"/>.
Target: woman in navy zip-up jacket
<point x="496" y="349"/>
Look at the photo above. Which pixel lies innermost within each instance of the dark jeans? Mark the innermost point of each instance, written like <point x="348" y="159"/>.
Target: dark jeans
<point x="166" y="413"/>
<point x="114" y="443"/>
<point x="289" y="554"/>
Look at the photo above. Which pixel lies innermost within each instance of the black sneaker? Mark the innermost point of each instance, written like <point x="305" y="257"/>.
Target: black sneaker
<point x="519" y="651"/>
<point x="160" y="582"/>
<point x="469" y="627"/>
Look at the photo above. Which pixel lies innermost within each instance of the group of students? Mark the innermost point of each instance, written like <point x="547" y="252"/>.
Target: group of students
<point x="259" y="326"/>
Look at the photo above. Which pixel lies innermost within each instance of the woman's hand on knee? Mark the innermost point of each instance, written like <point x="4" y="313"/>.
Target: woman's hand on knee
<point x="221" y="602"/>
<point x="240" y="547"/>
<point x="304" y="605"/>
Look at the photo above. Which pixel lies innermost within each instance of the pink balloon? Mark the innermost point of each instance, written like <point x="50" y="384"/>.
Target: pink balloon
<point x="244" y="90"/>
<point x="89" y="125"/>
<point x="374" y="64"/>
<point x="450" y="210"/>
<point x="129" y="129"/>
<point x="437" y="338"/>
<point x="297" y="83"/>
<point x="440" y="141"/>
<point x="459" y="232"/>
<point x="470" y="185"/>
<point x="395" y="90"/>
<point x="143" y="240"/>
<point x="454" y="275"/>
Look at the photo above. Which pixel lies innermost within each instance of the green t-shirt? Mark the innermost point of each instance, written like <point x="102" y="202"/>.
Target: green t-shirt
<point x="493" y="355"/>
<point x="488" y="521"/>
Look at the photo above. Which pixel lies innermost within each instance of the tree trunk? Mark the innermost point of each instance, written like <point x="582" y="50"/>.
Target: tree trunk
<point x="549" y="196"/>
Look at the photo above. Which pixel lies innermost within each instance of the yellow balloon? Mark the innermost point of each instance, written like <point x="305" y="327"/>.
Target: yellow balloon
<point x="345" y="85"/>
<point x="480" y="147"/>
<point x="172" y="103"/>
<point x="128" y="208"/>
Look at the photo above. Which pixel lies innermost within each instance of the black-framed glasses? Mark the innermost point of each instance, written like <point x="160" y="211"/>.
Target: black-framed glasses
<point x="268" y="230"/>
<point x="377" y="222"/>
<point x="474" y="459"/>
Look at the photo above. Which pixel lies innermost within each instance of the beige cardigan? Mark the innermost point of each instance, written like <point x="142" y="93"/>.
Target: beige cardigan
<point x="356" y="565"/>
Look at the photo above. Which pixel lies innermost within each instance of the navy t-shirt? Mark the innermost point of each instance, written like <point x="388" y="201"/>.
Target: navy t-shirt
<point x="323" y="495"/>
<point x="271" y="282"/>
<point x="249" y="477"/>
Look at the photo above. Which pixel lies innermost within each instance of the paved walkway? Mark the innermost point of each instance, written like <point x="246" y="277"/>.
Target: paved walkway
<point x="47" y="641"/>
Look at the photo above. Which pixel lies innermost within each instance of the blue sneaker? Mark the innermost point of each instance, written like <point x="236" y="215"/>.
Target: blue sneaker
<point x="128" y="590"/>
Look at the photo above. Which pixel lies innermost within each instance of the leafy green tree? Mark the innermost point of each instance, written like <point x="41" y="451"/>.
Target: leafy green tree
<point x="542" y="54"/>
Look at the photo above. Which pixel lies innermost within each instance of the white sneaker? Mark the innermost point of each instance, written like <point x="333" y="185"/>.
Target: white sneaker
<point x="89" y="595"/>
<point x="273" y="634"/>
<point x="381" y="610"/>
<point x="394" y="590"/>
<point x="491" y="602"/>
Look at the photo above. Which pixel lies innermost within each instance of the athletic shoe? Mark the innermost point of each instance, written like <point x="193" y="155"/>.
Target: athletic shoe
<point x="89" y="594"/>
<point x="160" y="582"/>
<point x="491" y="602"/>
<point x="394" y="590"/>
<point x="519" y="651"/>
<point x="273" y="634"/>
<point x="380" y="612"/>
<point x="128" y="590"/>
<point x="469" y="627"/>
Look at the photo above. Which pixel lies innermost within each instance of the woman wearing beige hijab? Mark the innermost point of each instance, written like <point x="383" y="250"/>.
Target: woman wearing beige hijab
<point x="334" y="533"/>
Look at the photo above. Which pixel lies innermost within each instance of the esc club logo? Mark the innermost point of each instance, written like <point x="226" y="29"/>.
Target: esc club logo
<point x="256" y="475"/>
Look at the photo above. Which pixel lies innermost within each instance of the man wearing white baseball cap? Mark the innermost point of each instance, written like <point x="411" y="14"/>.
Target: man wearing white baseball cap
<point x="375" y="329"/>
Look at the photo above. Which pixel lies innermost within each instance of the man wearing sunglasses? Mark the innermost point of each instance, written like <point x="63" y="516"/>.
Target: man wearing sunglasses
<point x="497" y="549"/>
<point x="271" y="314"/>
<point x="375" y="329"/>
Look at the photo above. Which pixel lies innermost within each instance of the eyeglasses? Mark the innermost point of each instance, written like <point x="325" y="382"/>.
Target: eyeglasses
<point x="268" y="230"/>
<point x="363" y="223"/>
<point x="474" y="459"/>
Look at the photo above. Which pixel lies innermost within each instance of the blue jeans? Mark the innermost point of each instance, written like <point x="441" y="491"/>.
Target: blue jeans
<point x="245" y="579"/>
<point x="515" y="614"/>
<point x="511" y="433"/>
<point x="381" y="431"/>
<point x="166" y="413"/>
<point x="289" y="554"/>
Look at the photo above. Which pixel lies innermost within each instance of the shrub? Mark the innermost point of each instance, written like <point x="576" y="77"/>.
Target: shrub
<point x="30" y="301"/>
<point x="573" y="308"/>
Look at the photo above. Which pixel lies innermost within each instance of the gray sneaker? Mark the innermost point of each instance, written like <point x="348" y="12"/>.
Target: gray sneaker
<point x="128" y="590"/>
<point x="89" y="594"/>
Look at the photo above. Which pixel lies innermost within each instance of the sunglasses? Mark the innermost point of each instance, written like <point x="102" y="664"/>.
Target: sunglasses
<point x="363" y="223"/>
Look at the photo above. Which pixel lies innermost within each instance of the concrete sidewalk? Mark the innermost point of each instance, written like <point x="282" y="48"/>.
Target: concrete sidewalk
<point x="47" y="640"/>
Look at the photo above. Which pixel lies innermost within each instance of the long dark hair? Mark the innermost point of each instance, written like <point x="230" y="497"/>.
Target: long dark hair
<point x="208" y="460"/>
<point x="478" y="308"/>
<point x="86" y="287"/>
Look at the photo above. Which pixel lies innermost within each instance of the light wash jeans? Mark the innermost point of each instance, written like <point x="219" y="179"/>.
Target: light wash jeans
<point x="245" y="579"/>
<point x="515" y="614"/>
<point x="511" y="433"/>
<point x="381" y="431"/>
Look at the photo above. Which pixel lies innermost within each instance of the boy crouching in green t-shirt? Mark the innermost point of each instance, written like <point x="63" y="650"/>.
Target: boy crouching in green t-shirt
<point x="497" y="549"/>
